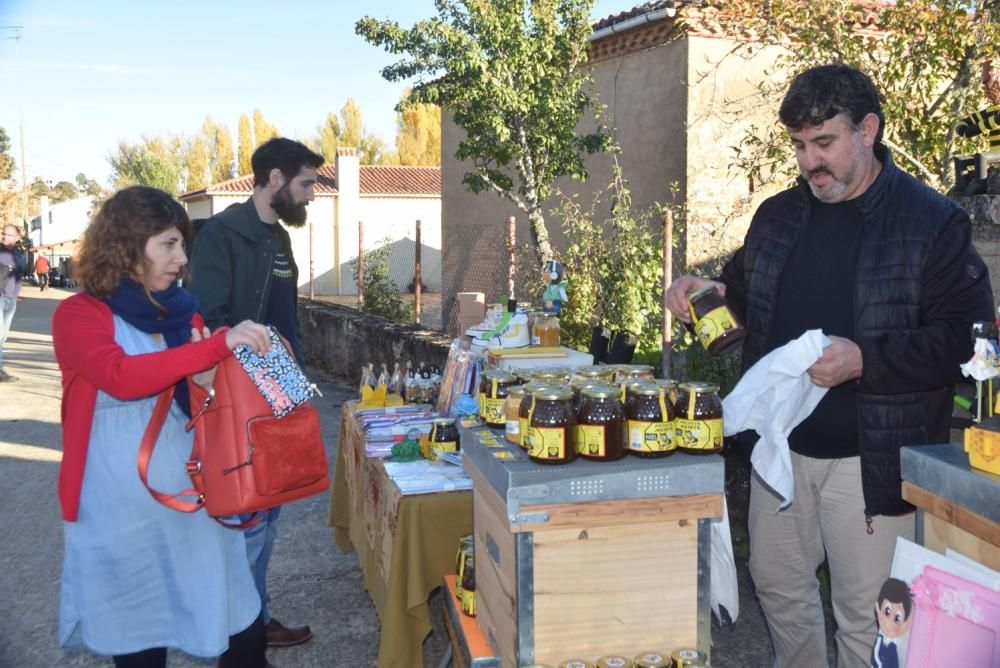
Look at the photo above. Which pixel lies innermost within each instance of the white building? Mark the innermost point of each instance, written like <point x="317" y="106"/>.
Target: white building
<point x="56" y="230"/>
<point x="386" y="201"/>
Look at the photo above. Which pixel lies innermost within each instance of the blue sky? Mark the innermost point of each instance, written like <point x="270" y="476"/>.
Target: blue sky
<point x="85" y="75"/>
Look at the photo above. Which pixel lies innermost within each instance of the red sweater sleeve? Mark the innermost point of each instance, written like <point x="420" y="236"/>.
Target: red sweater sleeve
<point x="84" y="340"/>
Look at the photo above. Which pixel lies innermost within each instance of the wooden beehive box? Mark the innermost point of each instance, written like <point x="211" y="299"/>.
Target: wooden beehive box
<point x="590" y="559"/>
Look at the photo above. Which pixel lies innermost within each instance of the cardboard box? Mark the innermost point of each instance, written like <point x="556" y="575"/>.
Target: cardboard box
<point x="471" y="305"/>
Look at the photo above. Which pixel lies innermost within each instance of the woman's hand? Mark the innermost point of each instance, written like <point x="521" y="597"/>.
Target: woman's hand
<point x="252" y="334"/>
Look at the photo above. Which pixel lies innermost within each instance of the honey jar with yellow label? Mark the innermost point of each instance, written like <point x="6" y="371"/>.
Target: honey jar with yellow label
<point x="550" y="426"/>
<point x="698" y="427"/>
<point x="715" y="325"/>
<point x="493" y="387"/>
<point x="600" y="424"/>
<point x="650" y="425"/>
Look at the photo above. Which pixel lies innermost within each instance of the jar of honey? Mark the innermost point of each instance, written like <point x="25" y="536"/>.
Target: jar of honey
<point x="545" y="332"/>
<point x="715" y="324"/>
<point x="650" y="423"/>
<point x="631" y="372"/>
<point x="689" y="658"/>
<point x="698" y="427"/>
<point x="669" y="386"/>
<point x="614" y="661"/>
<point x="524" y="410"/>
<point x="493" y="387"/>
<point x="550" y="426"/>
<point x="512" y="411"/>
<point x="600" y="424"/>
<point x="465" y="547"/>
<point x="444" y="437"/>
<point x="551" y="375"/>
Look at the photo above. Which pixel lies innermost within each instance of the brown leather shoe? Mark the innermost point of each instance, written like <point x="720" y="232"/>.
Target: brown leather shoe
<point x="279" y="635"/>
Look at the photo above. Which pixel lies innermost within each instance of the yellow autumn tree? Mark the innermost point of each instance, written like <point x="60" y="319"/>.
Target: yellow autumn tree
<point x="262" y="130"/>
<point x="418" y="133"/>
<point x="245" y="146"/>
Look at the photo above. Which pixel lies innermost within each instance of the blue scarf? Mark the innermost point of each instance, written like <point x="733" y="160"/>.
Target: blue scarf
<point x="173" y="320"/>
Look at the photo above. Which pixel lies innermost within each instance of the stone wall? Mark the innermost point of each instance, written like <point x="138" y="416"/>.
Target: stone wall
<point x="340" y="340"/>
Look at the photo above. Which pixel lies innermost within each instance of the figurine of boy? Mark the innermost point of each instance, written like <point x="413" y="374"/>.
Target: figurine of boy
<point x="986" y="122"/>
<point x="555" y="292"/>
<point x="892" y="610"/>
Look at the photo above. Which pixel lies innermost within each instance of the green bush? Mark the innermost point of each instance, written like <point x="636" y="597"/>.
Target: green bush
<point x="381" y="296"/>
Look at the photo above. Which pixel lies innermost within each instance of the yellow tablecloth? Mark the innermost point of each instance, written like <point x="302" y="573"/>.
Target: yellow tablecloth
<point x="405" y="544"/>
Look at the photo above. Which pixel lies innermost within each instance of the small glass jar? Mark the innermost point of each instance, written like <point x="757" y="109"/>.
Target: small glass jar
<point x="632" y="372"/>
<point x="614" y="661"/>
<point x="468" y="597"/>
<point x="545" y="332"/>
<point x="600" y="424"/>
<point x="465" y="547"/>
<point x="552" y="374"/>
<point x="715" y="324"/>
<point x="650" y="422"/>
<point x="689" y="658"/>
<point x="493" y="387"/>
<point x="444" y="437"/>
<point x="512" y="410"/>
<point x="550" y="426"/>
<point x="698" y="427"/>
<point x="599" y="372"/>
<point x="652" y="660"/>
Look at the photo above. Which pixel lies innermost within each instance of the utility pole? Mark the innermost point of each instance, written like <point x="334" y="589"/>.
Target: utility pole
<point x="14" y="33"/>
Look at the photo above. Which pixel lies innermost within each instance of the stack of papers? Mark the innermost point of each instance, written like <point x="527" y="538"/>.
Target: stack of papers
<point x="425" y="477"/>
<point x="385" y="427"/>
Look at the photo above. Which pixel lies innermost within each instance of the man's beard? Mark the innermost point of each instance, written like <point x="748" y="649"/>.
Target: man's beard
<point x="293" y="214"/>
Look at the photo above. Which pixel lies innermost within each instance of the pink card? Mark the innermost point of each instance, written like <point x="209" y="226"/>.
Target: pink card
<point x="955" y="623"/>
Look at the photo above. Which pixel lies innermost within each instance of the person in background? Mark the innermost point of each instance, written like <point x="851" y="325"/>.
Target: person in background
<point x="885" y="267"/>
<point x="42" y="271"/>
<point x="242" y="268"/>
<point x="13" y="268"/>
<point x="137" y="576"/>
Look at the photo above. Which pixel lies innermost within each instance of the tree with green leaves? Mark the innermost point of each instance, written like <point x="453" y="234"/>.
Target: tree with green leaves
<point x="63" y="191"/>
<point x="262" y="130"/>
<point x="244" y="146"/>
<point x="6" y="159"/>
<point x="924" y="56"/>
<point x="511" y="75"/>
<point x="154" y="161"/>
<point x="87" y="185"/>
<point x="418" y="133"/>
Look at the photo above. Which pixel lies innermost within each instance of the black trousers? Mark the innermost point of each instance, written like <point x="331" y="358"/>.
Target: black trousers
<point x="246" y="650"/>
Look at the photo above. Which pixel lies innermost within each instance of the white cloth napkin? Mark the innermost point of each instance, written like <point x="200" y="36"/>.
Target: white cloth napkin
<point x="772" y="398"/>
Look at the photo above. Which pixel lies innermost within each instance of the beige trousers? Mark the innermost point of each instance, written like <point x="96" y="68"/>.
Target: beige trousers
<point x="826" y="518"/>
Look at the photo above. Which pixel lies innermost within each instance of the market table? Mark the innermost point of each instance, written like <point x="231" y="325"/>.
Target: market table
<point x="405" y="544"/>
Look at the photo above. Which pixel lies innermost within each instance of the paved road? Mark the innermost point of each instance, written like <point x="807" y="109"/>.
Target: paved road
<point x="310" y="581"/>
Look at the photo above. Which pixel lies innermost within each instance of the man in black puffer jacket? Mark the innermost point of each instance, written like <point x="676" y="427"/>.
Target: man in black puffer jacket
<point x="886" y="268"/>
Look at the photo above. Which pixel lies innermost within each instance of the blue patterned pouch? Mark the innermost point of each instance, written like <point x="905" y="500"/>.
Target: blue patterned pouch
<point x="277" y="375"/>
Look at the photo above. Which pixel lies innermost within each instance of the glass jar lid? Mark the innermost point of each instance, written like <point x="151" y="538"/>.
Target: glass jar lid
<point x="552" y="393"/>
<point x="443" y="421"/>
<point x="601" y="392"/>
<point x="645" y="389"/>
<point x="698" y="387"/>
<point x="500" y="375"/>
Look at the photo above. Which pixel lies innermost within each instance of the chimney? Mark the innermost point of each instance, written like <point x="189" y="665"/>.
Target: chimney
<point x="348" y="214"/>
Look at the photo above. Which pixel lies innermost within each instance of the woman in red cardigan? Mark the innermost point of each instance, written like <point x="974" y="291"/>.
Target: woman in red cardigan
<point x="139" y="578"/>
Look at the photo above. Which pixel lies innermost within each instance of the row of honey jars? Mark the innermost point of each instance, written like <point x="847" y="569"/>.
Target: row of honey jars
<point x="660" y="421"/>
<point x="682" y="658"/>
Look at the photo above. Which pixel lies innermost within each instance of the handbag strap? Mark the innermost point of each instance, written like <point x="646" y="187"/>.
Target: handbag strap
<point x="149" y="438"/>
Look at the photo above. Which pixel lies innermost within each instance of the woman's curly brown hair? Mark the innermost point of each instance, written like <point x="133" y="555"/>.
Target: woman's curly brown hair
<point x="114" y="242"/>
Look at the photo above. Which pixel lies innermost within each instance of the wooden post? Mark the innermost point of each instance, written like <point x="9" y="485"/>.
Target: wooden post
<point x="416" y="277"/>
<point x="512" y="249"/>
<point x="312" y="265"/>
<point x="668" y="253"/>
<point x="361" y="263"/>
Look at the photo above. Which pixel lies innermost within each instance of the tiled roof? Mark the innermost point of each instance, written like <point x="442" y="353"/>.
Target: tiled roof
<point x="702" y="17"/>
<point x="375" y="180"/>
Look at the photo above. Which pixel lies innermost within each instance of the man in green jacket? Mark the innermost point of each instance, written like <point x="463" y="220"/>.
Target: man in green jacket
<point x="242" y="268"/>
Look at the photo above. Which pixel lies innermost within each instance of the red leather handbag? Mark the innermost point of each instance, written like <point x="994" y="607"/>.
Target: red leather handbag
<point x="244" y="459"/>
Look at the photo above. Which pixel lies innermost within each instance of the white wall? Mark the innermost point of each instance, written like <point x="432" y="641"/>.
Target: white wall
<point x="66" y="222"/>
